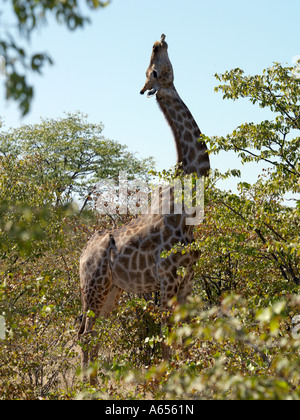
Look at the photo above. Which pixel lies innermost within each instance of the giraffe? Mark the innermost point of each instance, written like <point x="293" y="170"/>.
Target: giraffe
<point x="129" y="258"/>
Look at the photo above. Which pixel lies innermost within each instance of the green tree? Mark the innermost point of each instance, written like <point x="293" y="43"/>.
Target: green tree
<point x="73" y="155"/>
<point x="250" y="241"/>
<point x="275" y="142"/>
<point x="29" y="223"/>
<point x="29" y="15"/>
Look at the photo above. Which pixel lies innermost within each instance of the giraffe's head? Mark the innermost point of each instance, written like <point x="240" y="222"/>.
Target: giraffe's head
<point x="160" y="71"/>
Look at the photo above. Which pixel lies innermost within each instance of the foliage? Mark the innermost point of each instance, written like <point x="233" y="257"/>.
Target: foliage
<point x="229" y="352"/>
<point x="255" y="243"/>
<point x="73" y="155"/>
<point x="39" y="301"/>
<point x="29" y="223"/>
<point x="260" y="223"/>
<point x="237" y="337"/>
<point x="268" y="141"/>
<point x="30" y="15"/>
<point x="142" y="318"/>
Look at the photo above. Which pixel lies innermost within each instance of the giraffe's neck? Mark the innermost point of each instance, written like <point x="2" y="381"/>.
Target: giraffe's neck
<point x="191" y="152"/>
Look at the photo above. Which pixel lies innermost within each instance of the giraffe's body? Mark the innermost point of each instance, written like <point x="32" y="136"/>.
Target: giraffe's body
<point x="129" y="258"/>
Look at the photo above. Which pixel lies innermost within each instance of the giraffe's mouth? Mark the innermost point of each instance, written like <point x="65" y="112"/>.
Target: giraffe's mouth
<point x="151" y="93"/>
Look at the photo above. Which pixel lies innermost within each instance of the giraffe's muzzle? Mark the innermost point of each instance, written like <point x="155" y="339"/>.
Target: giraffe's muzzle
<point x="151" y="92"/>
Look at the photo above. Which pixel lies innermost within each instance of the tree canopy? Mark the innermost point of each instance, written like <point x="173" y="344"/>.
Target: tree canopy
<point x="275" y="142"/>
<point x="72" y="153"/>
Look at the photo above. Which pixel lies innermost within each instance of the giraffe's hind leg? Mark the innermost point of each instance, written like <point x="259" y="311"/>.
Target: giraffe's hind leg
<point x="110" y="303"/>
<point x="96" y="284"/>
<point x="92" y="311"/>
<point x="94" y="300"/>
<point x="90" y="355"/>
<point x="93" y="308"/>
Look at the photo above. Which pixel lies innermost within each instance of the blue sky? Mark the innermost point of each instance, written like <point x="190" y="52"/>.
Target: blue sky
<point x="100" y="70"/>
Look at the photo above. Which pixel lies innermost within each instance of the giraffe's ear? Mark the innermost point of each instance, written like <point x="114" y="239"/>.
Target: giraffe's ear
<point x="151" y="93"/>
